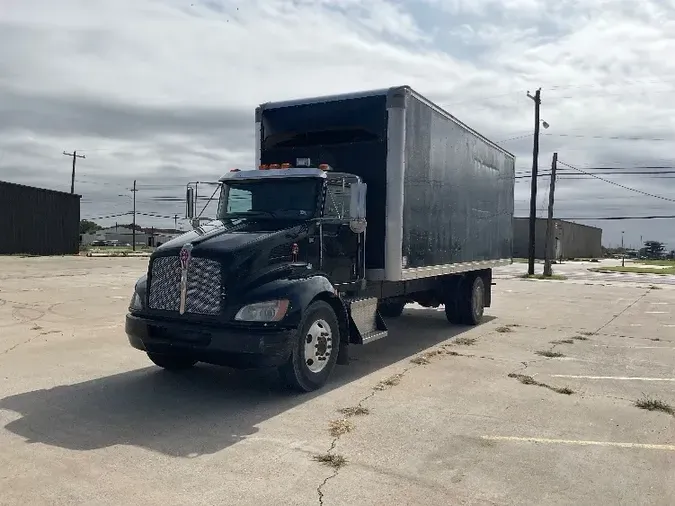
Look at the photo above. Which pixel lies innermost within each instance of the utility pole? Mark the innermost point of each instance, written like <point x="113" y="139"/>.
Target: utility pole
<point x="623" y="252"/>
<point x="533" y="190"/>
<point x="133" y="226"/>
<point x="175" y="222"/>
<point x="549" y="222"/>
<point x="75" y="156"/>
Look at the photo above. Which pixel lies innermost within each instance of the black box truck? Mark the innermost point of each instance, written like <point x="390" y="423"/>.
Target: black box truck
<point x="359" y="204"/>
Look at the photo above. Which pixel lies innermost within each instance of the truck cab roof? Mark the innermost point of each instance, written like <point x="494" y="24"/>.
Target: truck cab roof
<point x="254" y="175"/>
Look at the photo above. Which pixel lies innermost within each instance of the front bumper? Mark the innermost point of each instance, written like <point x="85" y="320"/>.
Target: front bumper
<point x="232" y="346"/>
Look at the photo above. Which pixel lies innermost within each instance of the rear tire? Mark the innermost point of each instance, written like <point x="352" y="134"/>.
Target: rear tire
<point x="391" y="309"/>
<point x="471" y="304"/>
<point x="315" y="349"/>
<point x="172" y="362"/>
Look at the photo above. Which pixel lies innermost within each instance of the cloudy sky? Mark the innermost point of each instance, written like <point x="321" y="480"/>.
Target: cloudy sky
<point x="163" y="91"/>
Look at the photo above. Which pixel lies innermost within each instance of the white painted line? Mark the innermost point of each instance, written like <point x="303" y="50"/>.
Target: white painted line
<point x="669" y="324"/>
<point x="670" y="448"/>
<point x="659" y="303"/>
<point x="656" y="312"/>
<point x="623" y="378"/>
<point x="636" y="325"/>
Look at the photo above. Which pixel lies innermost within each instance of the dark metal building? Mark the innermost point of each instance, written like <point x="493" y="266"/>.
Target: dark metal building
<point x="37" y="221"/>
<point x="570" y="240"/>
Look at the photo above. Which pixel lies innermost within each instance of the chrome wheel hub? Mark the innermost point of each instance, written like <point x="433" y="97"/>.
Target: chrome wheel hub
<point x="318" y="346"/>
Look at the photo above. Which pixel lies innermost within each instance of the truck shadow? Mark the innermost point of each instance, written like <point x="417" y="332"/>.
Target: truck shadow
<point x="200" y="411"/>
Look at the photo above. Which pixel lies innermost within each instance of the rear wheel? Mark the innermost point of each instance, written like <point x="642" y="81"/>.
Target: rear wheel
<point x="472" y="301"/>
<point x="315" y="349"/>
<point x="465" y="300"/>
<point x="391" y="309"/>
<point x="172" y="362"/>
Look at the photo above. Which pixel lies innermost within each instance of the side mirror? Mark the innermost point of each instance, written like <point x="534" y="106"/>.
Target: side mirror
<point x="357" y="206"/>
<point x="190" y="203"/>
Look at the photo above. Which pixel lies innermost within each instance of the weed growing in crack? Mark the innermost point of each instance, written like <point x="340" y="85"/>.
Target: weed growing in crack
<point x="503" y="330"/>
<point x="340" y="427"/>
<point x="524" y="379"/>
<point x="655" y="339"/>
<point x="563" y="341"/>
<point x="425" y="358"/>
<point x="549" y="353"/>
<point x="465" y="341"/>
<point x="586" y="333"/>
<point x="529" y="380"/>
<point x="653" y="287"/>
<point x="580" y="338"/>
<point x="651" y="404"/>
<point x="331" y="460"/>
<point x="354" y="411"/>
<point x="391" y="381"/>
<point x="513" y="324"/>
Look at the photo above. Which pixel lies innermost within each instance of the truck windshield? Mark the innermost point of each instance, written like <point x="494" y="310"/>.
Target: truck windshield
<point x="273" y="199"/>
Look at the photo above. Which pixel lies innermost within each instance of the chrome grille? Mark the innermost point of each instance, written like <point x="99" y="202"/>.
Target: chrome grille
<point x="204" y="287"/>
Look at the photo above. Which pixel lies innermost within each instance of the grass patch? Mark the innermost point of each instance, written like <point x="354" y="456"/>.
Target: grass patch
<point x="331" y="460"/>
<point x="529" y="380"/>
<point x="651" y="404"/>
<point x="559" y="277"/>
<point x="340" y="427"/>
<point x="669" y="263"/>
<point x="563" y="341"/>
<point x="465" y="341"/>
<point x="580" y="338"/>
<point x="637" y="270"/>
<point x="391" y="381"/>
<point x="354" y="411"/>
<point x="504" y="329"/>
<point x="550" y="354"/>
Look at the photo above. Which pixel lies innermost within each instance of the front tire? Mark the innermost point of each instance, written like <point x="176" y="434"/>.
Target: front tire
<point x="315" y="349"/>
<point x="172" y="362"/>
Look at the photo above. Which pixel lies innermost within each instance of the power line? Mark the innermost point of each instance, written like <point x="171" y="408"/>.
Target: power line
<point x="617" y="184"/>
<point x="653" y="217"/>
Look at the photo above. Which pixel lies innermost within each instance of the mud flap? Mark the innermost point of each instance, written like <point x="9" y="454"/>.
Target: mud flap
<point x="366" y="324"/>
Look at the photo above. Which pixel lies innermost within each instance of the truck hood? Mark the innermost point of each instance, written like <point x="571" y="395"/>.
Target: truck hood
<point x="216" y="237"/>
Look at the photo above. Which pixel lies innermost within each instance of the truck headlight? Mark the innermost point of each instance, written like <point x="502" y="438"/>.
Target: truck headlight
<point x="269" y="311"/>
<point x="135" y="304"/>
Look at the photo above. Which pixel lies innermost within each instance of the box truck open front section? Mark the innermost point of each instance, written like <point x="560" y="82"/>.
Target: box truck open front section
<point x="360" y="204"/>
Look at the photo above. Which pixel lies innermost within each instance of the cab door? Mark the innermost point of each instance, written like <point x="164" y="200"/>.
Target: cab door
<point x="341" y="247"/>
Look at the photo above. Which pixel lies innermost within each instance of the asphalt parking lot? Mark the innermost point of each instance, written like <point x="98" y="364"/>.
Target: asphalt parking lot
<point x="435" y="414"/>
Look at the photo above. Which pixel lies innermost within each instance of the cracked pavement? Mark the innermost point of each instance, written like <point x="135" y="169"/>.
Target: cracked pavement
<point x="85" y="419"/>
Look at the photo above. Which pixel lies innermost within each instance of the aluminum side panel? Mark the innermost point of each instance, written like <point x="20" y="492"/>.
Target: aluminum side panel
<point x="458" y="205"/>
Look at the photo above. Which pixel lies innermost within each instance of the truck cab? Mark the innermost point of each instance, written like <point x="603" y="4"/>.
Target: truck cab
<point x="287" y="245"/>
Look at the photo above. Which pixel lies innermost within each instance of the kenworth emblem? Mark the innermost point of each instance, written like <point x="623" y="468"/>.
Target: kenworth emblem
<point x="185" y="255"/>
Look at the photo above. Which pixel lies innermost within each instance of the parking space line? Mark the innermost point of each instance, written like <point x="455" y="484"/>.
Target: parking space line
<point x="670" y="448"/>
<point x="624" y="378"/>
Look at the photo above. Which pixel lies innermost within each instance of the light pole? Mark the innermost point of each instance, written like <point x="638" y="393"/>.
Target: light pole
<point x="623" y="252"/>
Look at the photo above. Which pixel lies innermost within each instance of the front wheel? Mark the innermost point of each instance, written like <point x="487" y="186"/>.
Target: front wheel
<point x="315" y="349"/>
<point x="171" y="362"/>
